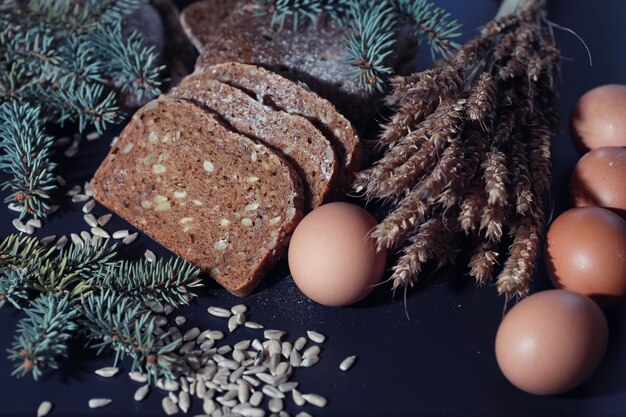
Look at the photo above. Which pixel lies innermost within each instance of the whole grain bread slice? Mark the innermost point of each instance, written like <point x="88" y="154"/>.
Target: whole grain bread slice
<point x="212" y="196"/>
<point x="295" y="137"/>
<point x="292" y="98"/>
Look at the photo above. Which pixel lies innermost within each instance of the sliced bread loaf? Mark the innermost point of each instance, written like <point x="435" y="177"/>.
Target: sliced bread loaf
<point x="295" y="137"/>
<point x="283" y="94"/>
<point x="312" y="54"/>
<point x="214" y="197"/>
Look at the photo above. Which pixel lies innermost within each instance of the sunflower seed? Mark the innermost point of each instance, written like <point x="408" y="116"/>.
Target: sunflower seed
<point x="300" y="343"/>
<point x="62" y="141"/>
<point x="187" y="347"/>
<point x="99" y="402"/>
<point x="256" y="398"/>
<point x="168" y="406"/>
<point x="219" y="312"/>
<point x="48" y="240"/>
<point x="314" y="399"/>
<point x="120" y="234"/>
<point x="253" y="325"/>
<point x="285" y="349"/>
<point x="273" y="334"/>
<point x="243" y="392"/>
<point x="167" y="384"/>
<point x="207" y="345"/>
<point x="179" y="320"/>
<point x="150" y="256"/>
<point x="256" y="344"/>
<point x="287" y="386"/>
<point x="85" y="236"/>
<point x="297" y="398"/>
<point x="36" y="223"/>
<point x="223" y="350"/>
<point x="312" y="351"/>
<point x="97" y="231"/>
<point x="44" y="408"/>
<point x="71" y="151"/>
<point x="191" y="334"/>
<point x="130" y="238"/>
<point x="80" y="198"/>
<point x="252" y="412"/>
<point x="347" y="363"/>
<point x="295" y="359"/>
<point x="232" y="324"/>
<point x="138" y="377"/>
<point x="215" y="335"/>
<point x="303" y="414"/>
<point x="76" y="239"/>
<point x="241" y="319"/>
<point x="239" y="309"/>
<point x="184" y="401"/>
<point x="74" y="190"/>
<point x="142" y="392"/>
<point x="92" y="136"/>
<point x="272" y="391"/>
<point x="61" y="243"/>
<point x="315" y="336"/>
<point x="242" y="345"/>
<point x="89" y="205"/>
<point x="107" y="372"/>
<point x="275" y="405"/>
<point x="90" y="219"/>
<point x="114" y="141"/>
<point x="104" y="219"/>
<point x="309" y="361"/>
<point x="208" y="406"/>
<point x="53" y="209"/>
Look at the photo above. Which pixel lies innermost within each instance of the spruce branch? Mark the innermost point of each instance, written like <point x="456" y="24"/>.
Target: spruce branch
<point x="41" y="338"/>
<point x="62" y="62"/>
<point x="114" y="320"/>
<point x="374" y="28"/>
<point x="25" y="154"/>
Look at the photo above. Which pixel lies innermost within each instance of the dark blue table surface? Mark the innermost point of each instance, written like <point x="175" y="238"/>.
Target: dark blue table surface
<point x="439" y="362"/>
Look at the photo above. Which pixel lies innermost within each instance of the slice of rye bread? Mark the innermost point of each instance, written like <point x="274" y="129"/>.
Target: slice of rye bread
<point x="295" y="137"/>
<point x="313" y="54"/>
<point x="212" y="196"/>
<point x="292" y="98"/>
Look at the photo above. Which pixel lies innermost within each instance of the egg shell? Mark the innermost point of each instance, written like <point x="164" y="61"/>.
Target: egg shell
<point x="586" y="252"/>
<point x="332" y="258"/>
<point x="599" y="118"/>
<point x="551" y="342"/>
<point x="599" y="180"/>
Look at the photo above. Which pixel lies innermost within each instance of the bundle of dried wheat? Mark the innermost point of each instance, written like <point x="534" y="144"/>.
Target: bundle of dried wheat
<point x="468" y="151"/>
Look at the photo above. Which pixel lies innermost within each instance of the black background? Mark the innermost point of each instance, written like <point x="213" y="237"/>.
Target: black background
<point x="439" y="362"/>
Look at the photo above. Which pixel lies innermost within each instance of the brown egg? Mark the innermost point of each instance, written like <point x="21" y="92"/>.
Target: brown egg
<point x="551" y="342"/>
<point x="598" y="180"/>
<point x="599" y="118"/>
<point x="331" y="257"/>
<point x="586" y="253"/>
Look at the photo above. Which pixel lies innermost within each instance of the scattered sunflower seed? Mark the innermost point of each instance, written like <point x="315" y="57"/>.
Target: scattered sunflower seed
<point x="61" y="243"/>
<point x="76" y="239"/>
<point x="239" y="309"/>
<point x="184" y="401"/>
<point x="215" y="335"/>
<point x="85" y="236"/>
<point x="253" y="325"/>
<point x="309" y="361"/>
<point x="130" y="238"/>
<point x="209" y="406"/>
<point x="303" y="414"/>
<point x="120" y="234"/>
<point x="273" y="334"/>
<point x="167" y="384"/>
<point x="48" y="240"/>
<point x="80" y="198"/>
<point x="89" y="205"/>
<point x="179" y="320"/>
<point x="311" y="351"/>
<point x="191" y="334"/>
<point x="92" y="136"/>
<point x="44" y="408"/>
<point x="138" y="376"/>
<point x="315" y="336"/>
<point x="107" y="372"/>
<point x="142" y="392"/>
<point x="347" y="363"/>
<point x="252" y="412"/>
<point x="74" y="190"/>
<point x="287" y="386"/>
<point x="300" y="343"/>
<point x="36" y="223"/>
<point x="98" y="231"/>
<point x="297" y="398"/>
<point x="150" y="256"/>
<point x="256" y="398"/>
<point x="272" y="391"/>
<point x="275" y="405"/>
<point x="104" y="219"/>
<point x="90" y="219"/>
<point x="99" y="402"/>
<point x="314" y="399"/>
<point x="62" y="182"/>
<point x="232" y="324"/>
<point x="62" y="141"/>
<point x="242" y="345"/>
<point x="168" y="406"/>
<point x="219" y="312"/>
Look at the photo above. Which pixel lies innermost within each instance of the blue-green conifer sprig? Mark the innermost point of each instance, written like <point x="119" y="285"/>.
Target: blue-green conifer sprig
<point x="374" y="24"/>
